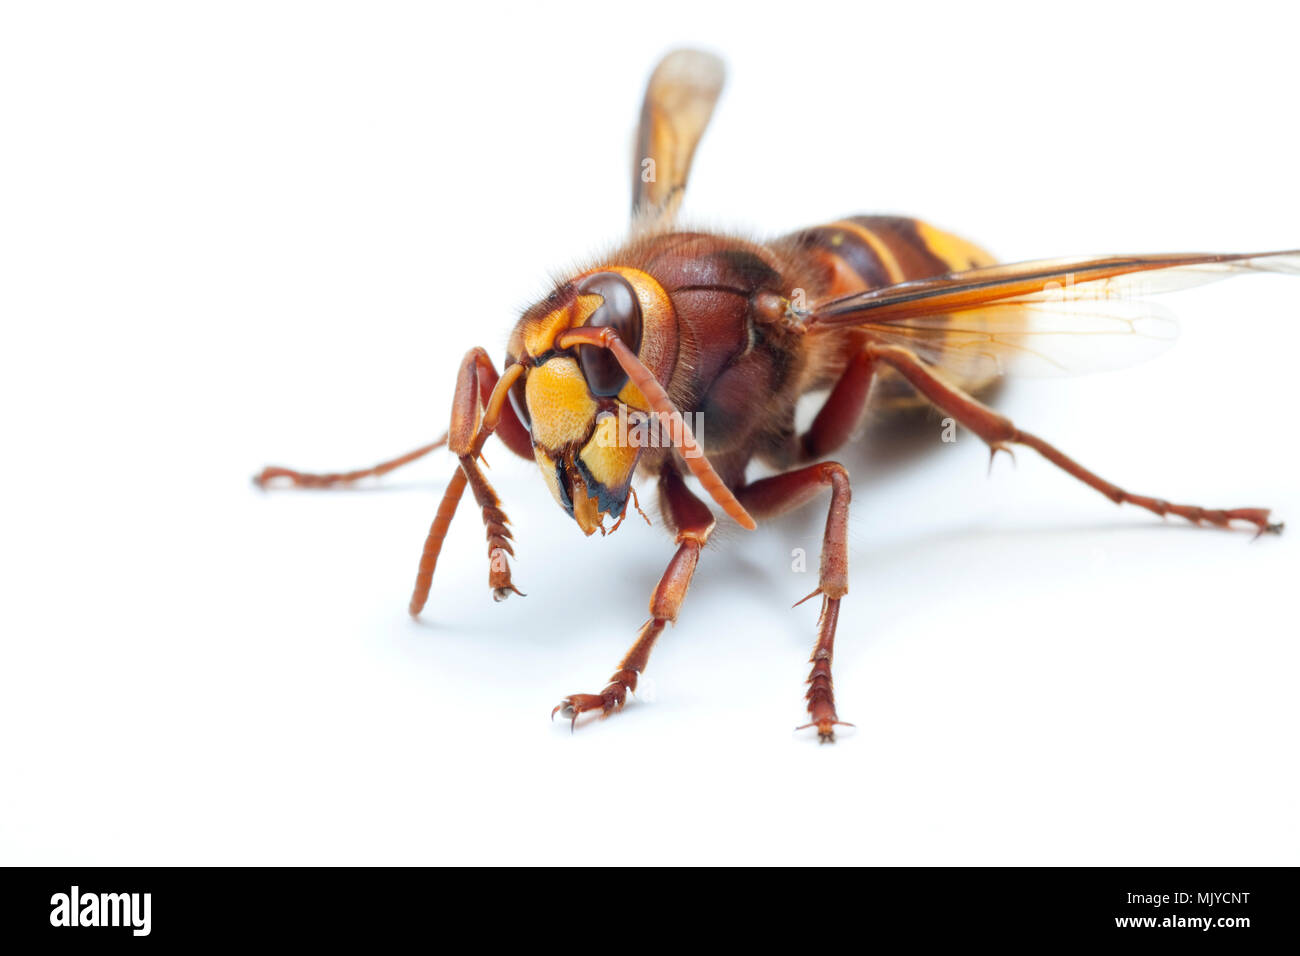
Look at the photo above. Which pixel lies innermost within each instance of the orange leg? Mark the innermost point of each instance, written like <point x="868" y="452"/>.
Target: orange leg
<point x="784" y="492"/>
<point x="842" y="410"/>
<point x="693" y="522"/>
<point x="303" y="479"/>
<point x="509" y="429"/>
<point x="478" y="407"/>
<point x="999" y="432"/>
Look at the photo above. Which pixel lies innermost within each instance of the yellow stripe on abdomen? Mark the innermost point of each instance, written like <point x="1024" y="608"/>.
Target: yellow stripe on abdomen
<point x="956" y="252"/>
<point x="922" y="252"/>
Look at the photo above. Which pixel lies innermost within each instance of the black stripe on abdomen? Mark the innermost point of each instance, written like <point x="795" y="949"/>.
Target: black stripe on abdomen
<point x="901" y="237"/>
<point x="851" y="249"/>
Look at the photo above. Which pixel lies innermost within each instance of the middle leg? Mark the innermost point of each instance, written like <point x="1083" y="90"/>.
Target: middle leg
<point x="785" y="492"/>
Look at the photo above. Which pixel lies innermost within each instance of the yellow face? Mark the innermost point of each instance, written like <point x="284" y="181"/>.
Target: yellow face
<point x="574" y="404"/>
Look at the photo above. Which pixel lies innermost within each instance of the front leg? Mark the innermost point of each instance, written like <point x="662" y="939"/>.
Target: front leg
<point x="693" y="522"/>
<point x="478" y="408"/>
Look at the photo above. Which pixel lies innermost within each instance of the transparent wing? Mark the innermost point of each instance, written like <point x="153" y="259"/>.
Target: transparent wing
<point x="678" y="104"/>
<point x="1047" y="317"/>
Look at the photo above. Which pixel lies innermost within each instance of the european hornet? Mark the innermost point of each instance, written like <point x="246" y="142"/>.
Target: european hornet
<point x="679" y="325"/>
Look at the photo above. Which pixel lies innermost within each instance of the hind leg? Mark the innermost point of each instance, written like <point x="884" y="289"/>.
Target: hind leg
<point x="476" y="370"/>
<point x="999" y="432"/>
<point x="304" y="479"/>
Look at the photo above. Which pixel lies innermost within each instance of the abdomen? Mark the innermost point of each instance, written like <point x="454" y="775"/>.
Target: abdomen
<point x="867" y="252"/>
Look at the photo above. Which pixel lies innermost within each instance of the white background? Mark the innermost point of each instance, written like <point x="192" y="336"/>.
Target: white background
<point x="241" y="233"/>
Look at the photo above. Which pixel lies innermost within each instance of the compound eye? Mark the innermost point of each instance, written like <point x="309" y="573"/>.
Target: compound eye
<point x="620" y="311"/>
<point x="519" y="400"/>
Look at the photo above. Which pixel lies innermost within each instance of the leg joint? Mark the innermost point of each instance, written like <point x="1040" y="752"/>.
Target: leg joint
<point x="834" y="474"/>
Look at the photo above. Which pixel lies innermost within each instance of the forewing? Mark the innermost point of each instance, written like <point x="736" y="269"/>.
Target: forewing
<point x="1047" y="317"/>
<point x="678" y="103"/>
